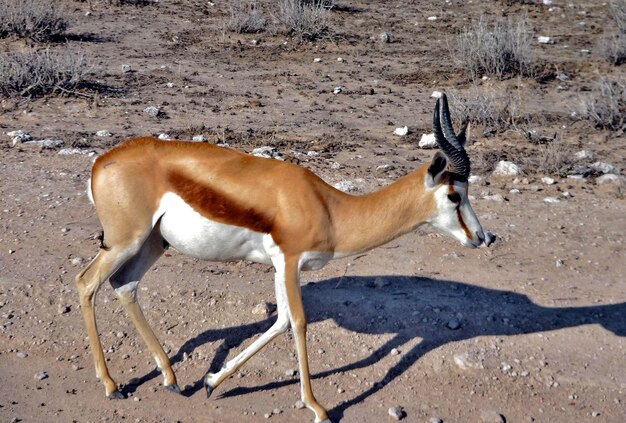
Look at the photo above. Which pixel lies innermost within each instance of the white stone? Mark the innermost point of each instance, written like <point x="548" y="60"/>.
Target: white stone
<point x="396" y="413"/>
<point x="317" y="60"/>
<point x="74" y="151"/>
<point x="436" y="94"/>
<point x="264" y="308"/>
<point x="466" y="362"/>
<point x="506" y="168"/>
<point x="18" y="137"/>
<point x="475" y="179"/>
<point x="346" y="186"/>
<point x="495" y="197"/>
<point x="604" y="168"/>
<point x="104" y="133"/>
<point x="428" y="141"/>
<point x="545" y="39"/>
<point x="402" y="131"/>
<point x="199" y="138"/>
<point x="165" y="137"/>
<point x="47" y="143"/>
<point x="340" y="59"/>
<point x="432" y="18"/>
<point x="584" y="154"/>
<point x="338" y="90"/>
<point x="548" y="2"/>
<point x="170" y="85"/>
<point x="385" y="37"/>
<point x="548" y="180"/>
<point x="126" y="68"/>
<point x="551" y="200"/>
<point x="267" y="152"/>
<point x="514" y="191"/>
<point x="152" y="111"/>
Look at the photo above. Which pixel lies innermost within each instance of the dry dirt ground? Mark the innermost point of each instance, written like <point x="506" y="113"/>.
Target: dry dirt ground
<point x="539" y="318"/>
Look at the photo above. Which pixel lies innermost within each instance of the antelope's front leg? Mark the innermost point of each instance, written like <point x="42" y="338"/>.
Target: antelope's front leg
<point x="298" y="324"/>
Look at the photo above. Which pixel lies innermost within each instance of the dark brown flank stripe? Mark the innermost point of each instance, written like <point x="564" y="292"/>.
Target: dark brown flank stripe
<point x="216" y="206"/>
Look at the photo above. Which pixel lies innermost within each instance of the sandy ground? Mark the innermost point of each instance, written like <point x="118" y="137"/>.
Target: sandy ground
<point x="539" y="318"/>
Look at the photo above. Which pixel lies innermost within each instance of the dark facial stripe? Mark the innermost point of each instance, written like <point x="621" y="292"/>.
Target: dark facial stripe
<point x="463" y="225"/>
<point x="216" y="206"/>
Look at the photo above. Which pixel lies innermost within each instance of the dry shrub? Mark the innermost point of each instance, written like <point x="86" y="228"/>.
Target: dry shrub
<point x="246" y="17"/>
<point x="494" y="111"/>
<point x="613" y="43"/>
<point x="39" y="20"/>
<point x="40" y="72"/>
<point x="554" y="158"/>
<point x="499" y="49"/>
<point x="305" y="19"/>
<point x="605" y="105"/>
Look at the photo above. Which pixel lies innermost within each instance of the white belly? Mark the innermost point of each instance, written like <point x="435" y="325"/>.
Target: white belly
<point x="195" y="235"/>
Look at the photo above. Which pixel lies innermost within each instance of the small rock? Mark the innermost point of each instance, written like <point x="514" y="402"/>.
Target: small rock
<point x="340" y="59"/>
<point x="547" y="2"/>
<point x="291" y="372"/>
<point x="604" y="168"/>
<point x="595" y="413"/>
<point x="436" y="94"/>
<point x="21" y="354"/>
<point x="402" y="131"/>
<point x="465" y="361"/>
<point x="267" y="415"/>
<point x="127" y="68"/>
<point x="267" y="152"/>
<point x="346" y="186"/>
<point x="428" y="141"/>
<point x="542" y="39"/>
<point x="551" y="200"/>
<point x="120" y="334"/>
<point x="548" y="181"/>
<point x="19" y="136"/>
<point x="394" y="351"/>
<point x="435" y="420"/>
<point x="506" y="168"/>
<point x="47" y="143"/>
<point x="153" y="111"/>
<point x="41" y="375"/>
<point x="77" y="261"/>
<point x="385" y="37"/>
<point x="495" y="197"/>
<point x="299" y="405"/>
<point x="277" y="411"/>
<point x="104" y="133"/>
<point x="164" y="137"/>
<point x="560" y="263"/>
<point x="63" y="309"/>
<point x="490" y="416"/>
<point x="476" y="179"/>
<point x="75" y="151"/>
<point x="584" y="155"/>
<point x="515" y="191"/>
<point x="338" y="90"/>
<point x="385" y="167"/>
<point x="396" y="413"/>
<point x="432" y="18"/>
<point x="317" y="60"/>
<point x="264" y="308"/>
<point x="453" y="324"/>
<point x="199" y="138"/>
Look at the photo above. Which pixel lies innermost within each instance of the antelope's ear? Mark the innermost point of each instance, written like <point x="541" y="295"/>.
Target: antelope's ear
<point x="436" y="169"/>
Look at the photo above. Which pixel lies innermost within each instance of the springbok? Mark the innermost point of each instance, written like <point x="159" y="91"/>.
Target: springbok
<point x="221" y="204"/>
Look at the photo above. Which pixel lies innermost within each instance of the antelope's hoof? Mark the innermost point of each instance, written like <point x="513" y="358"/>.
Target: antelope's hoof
<point x="173" y="388"/>
<point x="209" y="390"/>
<point x="116" y="395"/>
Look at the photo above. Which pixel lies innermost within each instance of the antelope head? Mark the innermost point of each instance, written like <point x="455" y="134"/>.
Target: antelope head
<point x="447" y="178"/>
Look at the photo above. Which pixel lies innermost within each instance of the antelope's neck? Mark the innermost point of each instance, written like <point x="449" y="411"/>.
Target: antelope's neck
<point x="365" y="222"/>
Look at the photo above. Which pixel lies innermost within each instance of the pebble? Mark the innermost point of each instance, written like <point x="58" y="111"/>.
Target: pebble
<point x="548" y="181"/>
<point x="551" y="200"/>
<point x="164" y="137"/>
<point x="291" y="372"/>
<point x="394" y="351"/>
<point x="340" y="59"/>
<point x="126" y="68"/>
<point x="584" y="154"/>
<point x="263" y="308"/>
<point x="435" y="420"/>
<point x="317" y="60"/>
<point x="515" y="191"/>
<point x="542" y="39"/>
<point x="453" y="324"/>
<point x="427" y="141"/>
<point x="299" y="404"/>
<point x="402" y="131"/>
<point x="267" y="152"/>
<point x="120" y="334"/>
<point x="432" y="18"/>
<point x="465" y="361"/>
<point x="41" y="375"/>
<point x="338" y="90"/>
<point x="21" y="354"/>
<point x="490" y="416"/>
<point x="19" y="136"/>
<point x="397" y="413"/>
<point x="152" y="111"/>
<point x="436" y="94"/>
<point x="506" y="168"/>
<point x="346" y="186"/>
<point x="104" y="133"/>
<point x="560" y="263"/>
<point x="595" y="413"/>
<point x="63" y="309"/>
<point x="77" y="261"/>
<point x="47" y="143"/>
<point x="476" y="179"/>
<point x="385" y="37"/>
<point x="199" y="138"/>
<point x="495" y="197"/>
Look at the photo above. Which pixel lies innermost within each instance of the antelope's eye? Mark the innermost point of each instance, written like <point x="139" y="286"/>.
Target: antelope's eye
<point x="455" y="197"/>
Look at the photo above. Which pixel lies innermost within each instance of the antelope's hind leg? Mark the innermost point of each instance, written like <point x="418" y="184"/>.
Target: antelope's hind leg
<point x="125" y="282"/>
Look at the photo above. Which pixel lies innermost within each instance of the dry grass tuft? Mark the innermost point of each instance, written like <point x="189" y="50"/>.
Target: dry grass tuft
<point x="246" y="17"/>
<point x="606" y="104"/>
<point x="37" y="73"/>
<point x="308" y="20"/>
<point x="38" y="20"/>
<point x="496" y="112"/>
<point x="613" y="43"/>
<point x="500" y="49"/>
